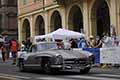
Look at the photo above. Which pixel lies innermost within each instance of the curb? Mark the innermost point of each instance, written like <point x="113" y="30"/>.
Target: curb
<point x="6" y="78"/>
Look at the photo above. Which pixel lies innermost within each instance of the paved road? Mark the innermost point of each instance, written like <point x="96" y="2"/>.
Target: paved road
<point x="10" y="71"/>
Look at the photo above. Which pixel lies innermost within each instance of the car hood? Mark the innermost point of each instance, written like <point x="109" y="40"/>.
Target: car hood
<point x="67" y="54"/>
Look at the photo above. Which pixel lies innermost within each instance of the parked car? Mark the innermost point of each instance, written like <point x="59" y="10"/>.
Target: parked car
<point x="46" y="57"/>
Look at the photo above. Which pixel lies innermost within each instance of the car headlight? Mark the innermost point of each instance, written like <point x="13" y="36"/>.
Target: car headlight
<point x="91" y="59"/>
<point x="58" y="59"/>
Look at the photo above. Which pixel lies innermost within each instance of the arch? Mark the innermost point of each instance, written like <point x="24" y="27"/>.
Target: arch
<point x="39" y="25"/>
<point x="75" y="19"/>
<point x="56" y="21"/>
<point x="100" y="17"/>
<point x="26" y="29"/>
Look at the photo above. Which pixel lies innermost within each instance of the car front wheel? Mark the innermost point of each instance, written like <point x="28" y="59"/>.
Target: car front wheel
<point x="84" y="71"/>
<point x="47" y="68"/>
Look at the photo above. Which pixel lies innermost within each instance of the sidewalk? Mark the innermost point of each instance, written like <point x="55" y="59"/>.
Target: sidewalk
<point x="5" y="78"/>
<point x="105" y="66"/>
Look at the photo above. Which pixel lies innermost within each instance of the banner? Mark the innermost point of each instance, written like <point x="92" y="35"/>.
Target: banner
<point x="110" y="55"/>
<point x="96" y="53"/>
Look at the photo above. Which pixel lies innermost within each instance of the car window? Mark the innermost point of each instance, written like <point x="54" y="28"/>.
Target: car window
<point x="33" y="48"/>
<point x="45" y="46"/>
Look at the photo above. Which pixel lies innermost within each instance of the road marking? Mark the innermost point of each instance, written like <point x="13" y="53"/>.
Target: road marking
<point x="95" y="77"/>
<point x="109" y="75"/>
<point x="6" y="77"/>
<point x="92" y="77"/>
<point x="70" y="77"/>
<point x="52" y="78"/>
<point x="15" y="76"/>
<point x="64" y="77"/>
<point x="23" y="77"/>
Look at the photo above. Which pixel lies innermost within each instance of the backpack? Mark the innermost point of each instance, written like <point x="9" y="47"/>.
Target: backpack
<point x="14" y="43"/>
<point x="14" y="46"/>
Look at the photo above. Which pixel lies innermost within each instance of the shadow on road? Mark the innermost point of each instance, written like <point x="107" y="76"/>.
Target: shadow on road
<point x="56" y="73"/>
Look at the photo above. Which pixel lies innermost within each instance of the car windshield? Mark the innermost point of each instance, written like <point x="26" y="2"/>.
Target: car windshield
<point x="44" y="46"/>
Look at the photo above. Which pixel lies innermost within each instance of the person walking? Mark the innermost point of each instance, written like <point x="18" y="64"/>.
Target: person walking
<point x="14" y="48"/>
<point x="6" y="44"/>
<point x="3" y="51"/>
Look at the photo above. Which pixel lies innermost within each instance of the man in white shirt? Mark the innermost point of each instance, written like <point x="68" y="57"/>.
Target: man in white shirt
<point x="107" y="42"/>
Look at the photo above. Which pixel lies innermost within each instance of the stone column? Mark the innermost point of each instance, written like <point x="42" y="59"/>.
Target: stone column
<point x="19" y="30"/>
<point x="46" y="21"/>
<point x="113" y="13"/>
<point x="63" y="17"/>
<point x="87" y="29"/>
<point x="118" y="17"/>
<point x="32" y="27"/>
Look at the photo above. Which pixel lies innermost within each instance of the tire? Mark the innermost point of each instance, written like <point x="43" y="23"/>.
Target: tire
<point x="84" y="71"/>
<point x="21" y="67"/>
<point x="47" y="68"/>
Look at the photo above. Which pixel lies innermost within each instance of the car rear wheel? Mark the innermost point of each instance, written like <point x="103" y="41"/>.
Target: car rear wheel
<point x="21" y="67"/>
<point x="84" y="71"/>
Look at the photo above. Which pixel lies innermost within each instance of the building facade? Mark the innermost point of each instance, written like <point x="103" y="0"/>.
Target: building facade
<point x="8" y="18"/>
<point x="93" y="17"/>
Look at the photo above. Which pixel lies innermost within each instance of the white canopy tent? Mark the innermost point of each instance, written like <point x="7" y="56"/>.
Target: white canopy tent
<point x="61" y="34"/>
<point x="66" y="34"/>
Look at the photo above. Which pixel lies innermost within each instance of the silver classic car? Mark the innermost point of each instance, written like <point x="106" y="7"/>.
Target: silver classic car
<point x="46" y="57"/>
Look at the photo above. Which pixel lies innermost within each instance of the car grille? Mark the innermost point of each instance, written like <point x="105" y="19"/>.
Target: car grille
<point x="75" y="61"/>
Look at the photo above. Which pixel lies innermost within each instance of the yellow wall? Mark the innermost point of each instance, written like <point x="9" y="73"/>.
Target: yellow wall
<point x="85" y="6"/>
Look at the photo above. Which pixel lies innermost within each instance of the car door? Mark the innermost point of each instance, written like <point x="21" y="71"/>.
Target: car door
<point x="31" y="60"/>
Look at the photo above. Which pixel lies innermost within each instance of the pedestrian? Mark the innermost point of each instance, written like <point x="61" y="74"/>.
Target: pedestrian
<point x="28" y="43"/>
<point x="107" y="41"/>
<point x="98" y="42"/>
<point x="60" y="44"/>
<point x="14" y="48"/>
<point x="91" y="42"/>
<point x="23" y="46"/>
<point x="73" y="43"/>
<point x="3" y="51"/>
<point x="6" y="44"/>
<point x="67" y="44"/>
<point x="82" y="43"/>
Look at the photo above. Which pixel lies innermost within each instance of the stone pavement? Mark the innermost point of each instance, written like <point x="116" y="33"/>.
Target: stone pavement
<point x="5" y="78"/>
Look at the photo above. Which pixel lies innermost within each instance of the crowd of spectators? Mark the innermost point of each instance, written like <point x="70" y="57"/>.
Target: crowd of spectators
<point x="92" y="42"/>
